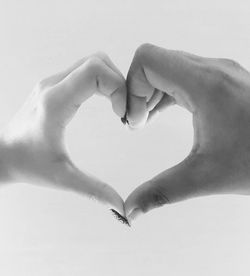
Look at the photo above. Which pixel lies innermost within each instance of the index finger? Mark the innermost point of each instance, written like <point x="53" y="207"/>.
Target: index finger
<point x="180" y="75"/>
<point x="64" y="98"/>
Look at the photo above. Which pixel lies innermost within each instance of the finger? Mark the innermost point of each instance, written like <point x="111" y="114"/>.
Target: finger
<point x="178" y="74"/>
<point x="137" y="111"/>
<point x="193" y="177"/>
<point x="155" y="99"/>
<point x="71" y="178"/>
<point x="108" y="62"/>
<point x="91" y="77"/>
<point x="118" y="99"/>
<point x="56" y="78"/>
<point x="163" y="104"/>
<point x="139" y="93"/>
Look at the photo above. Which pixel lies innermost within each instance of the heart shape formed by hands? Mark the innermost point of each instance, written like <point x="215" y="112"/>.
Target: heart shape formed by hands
<point x="215" y="91"/>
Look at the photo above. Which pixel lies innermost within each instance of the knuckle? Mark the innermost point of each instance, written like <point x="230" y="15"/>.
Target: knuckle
<point x="217" y="78"/>
<point x="94" y="68"/>
<point x="143" y="50"/>
<point x="94" y="64"/>
<point x="101" y="55"/>
<point x="46" y="102"/>
<point x="222" y="74"/>
<point x="142" y="53"/>
<point x="222" y="79"/>
<point x="41" y="86"/>
<point x="230" y="63"/>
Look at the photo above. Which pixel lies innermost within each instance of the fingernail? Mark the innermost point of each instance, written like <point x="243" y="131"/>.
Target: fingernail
<point x="124" y="119"/>
<point x="121" y="218"/>
<point x="134" y="214"/>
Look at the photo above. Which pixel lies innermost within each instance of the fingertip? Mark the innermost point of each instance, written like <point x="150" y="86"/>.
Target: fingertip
<point x="71" y="178"/>
<point x="131" y="203"/>
<point x="137" y="111"/>
<point x="134" y="214"/>
<point x="119" y="101"/>
<point x="123" y="219"/>
<point x="135" y="126"/>
<point x="155" y="99"/>
<point x="124" y="119"/>
<point x="132" y="208"/>
<point x="113" y="200"/>
<point x="143" y="199"/>
<point x="152" y="116"/>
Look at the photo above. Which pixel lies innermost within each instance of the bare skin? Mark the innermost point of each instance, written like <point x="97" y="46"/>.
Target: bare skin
<point x="217" y="93"/>
<point x="32" y="144"/>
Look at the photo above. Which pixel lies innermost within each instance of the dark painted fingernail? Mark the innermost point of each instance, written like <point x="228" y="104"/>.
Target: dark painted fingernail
<point x="121" y="218"/>
<point x="124" y="119"/>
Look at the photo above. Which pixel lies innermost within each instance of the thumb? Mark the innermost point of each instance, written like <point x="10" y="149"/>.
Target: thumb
<point x="69" y="177"/>
<point x="192" y="177"/>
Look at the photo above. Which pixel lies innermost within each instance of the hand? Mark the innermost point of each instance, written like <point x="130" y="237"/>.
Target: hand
<point x="32" y="144"/>
<point x="217" y="93"/>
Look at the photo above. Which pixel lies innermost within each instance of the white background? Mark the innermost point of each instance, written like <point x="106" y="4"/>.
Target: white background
<point x="48" y="232"/>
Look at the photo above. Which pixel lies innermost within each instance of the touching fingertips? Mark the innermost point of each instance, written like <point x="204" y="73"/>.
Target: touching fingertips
<point x="124" y="119"/>
<point x="141" y="110"/>
<point x="134" y="214"/>
<point x="137" y="111"/>
<point x="119" y="101"/>
<point x="120" y="218"/>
